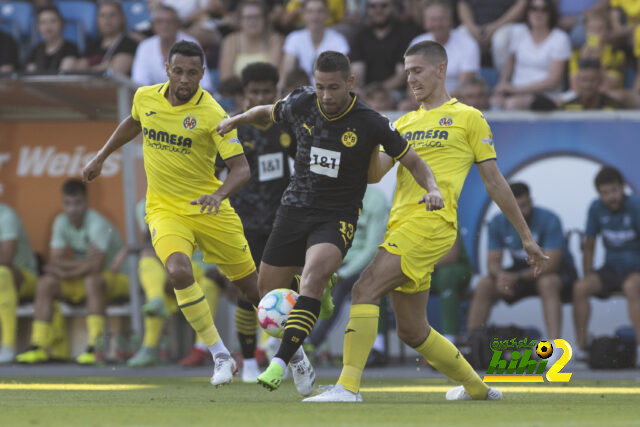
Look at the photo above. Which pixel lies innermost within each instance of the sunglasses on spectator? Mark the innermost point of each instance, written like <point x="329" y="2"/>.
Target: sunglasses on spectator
<point x="538" y="9"/>
<point x="379" y="5"/>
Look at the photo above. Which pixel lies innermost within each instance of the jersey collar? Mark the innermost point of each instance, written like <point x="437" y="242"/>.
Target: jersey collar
<point x="353" y="102"/>
<point x="449" y="102"/>
<point x="195" y="99"/>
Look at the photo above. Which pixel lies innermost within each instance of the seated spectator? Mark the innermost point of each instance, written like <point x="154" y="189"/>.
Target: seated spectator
<point x="379" y="97"/>
<point x="94" y="242"/>
<point x="198" y="18"/>
<point x="53" y="53"/>
<point x="231" y="95"/>
<point x="303" y="46"/>
<point x="18" y="275"/>
<point x="463" y="52"/>
<point x="616" y="217"/>
<point x="572" y="13"/>
<point x="538" y="55"/>
<point x="589" y="89"/>
<point x="475" y="92"/>
<point x="291" y="17"/>
<point x="488" y="22"/>
<point x="449" y="280"/>
<point x="292" y="81"/>
<point x="511" y="284"/>
<point x="625" y="20"/>
<point x="152" y="53"/>
<point x="113" y="49"/>
<point x="9" y="61"/>
<point x="597" y="47"/>
<point x="376" y="52"/>
<point x="255" y="42"/>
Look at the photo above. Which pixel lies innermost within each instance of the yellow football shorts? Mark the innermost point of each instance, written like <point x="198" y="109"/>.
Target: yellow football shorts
<point x="72" y="290"/>
<point x="28" y="286"/>
<point x="220" y="238"/>
<point x="420" y="242"/>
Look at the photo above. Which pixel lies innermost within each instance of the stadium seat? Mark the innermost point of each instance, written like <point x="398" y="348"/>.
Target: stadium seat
<point x="491" y="76"/>
<point x="73" y="31"/>
<point x="80" y="11"/>
<point x="18" y="14"/>
<point x="135" y="12"/>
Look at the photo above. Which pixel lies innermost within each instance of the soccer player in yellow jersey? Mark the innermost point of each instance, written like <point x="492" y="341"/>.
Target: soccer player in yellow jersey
<point x="451" y="136"/>
<point x="186" y="204"/>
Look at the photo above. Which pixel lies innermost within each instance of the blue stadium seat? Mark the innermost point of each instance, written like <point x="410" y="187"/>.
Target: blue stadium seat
<point x="135" y="12"/>
<point x="73" y="31"/>
<point x="80" y="11"/>
<point x="20" y="15"/>
<point x="491" y="76"/>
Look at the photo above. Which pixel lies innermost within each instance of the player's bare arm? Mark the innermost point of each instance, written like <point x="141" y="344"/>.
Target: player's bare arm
<point x="588" y="248"/>
<point x="259" y="115"/>
<point x="8" y="249"/>
<point x="239" y="174"/>
<point x="379" y="165"/>
<point x="423" y="175"/>
<point x="125" y="132"/>
<point x="499" y="191"/>
<point x="66" y="268"/>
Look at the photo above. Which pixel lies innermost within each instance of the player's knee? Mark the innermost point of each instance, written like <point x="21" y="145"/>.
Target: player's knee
<point x="313" y="283"/>
<point x="631" y="286"/>
<point x="362" y="293"/>
<point x="180" y="274"/>
<point x="548" y="285"/>
<point x="94" y="285"/>
<point x="581" y="289"/>
<point x="485" y="288"/>
<point x="46" y="286"/>
<point x="411" y="336"/>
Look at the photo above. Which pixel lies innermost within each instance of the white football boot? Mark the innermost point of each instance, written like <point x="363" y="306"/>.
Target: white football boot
<point x="304" y="376"/>
<point x="7" y="354"/>
<point x="336" y="393"/>
<point x="223" y="370"/>
<point x="250" y="371"/>
<point x="459" y="393"/>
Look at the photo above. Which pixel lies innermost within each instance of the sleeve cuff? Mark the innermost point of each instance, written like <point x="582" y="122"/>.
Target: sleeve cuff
<point x="273" y="110"/>
<point x="401" y="155"/>
<point x="485" y="160"/>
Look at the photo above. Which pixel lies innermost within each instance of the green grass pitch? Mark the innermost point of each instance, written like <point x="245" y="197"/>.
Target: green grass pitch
<point x="193" y="402"/>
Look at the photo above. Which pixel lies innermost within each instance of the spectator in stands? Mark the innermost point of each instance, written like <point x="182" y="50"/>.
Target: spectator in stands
<point x="295" y="79"/>
<point x="152" y="53"/>
<point x="517" y="282"/>
<point x="463" y="53"/>
<point x="379" y="97"/>
<point x="231" y="95"/>
<point x="538" y="55"/>
<point x="616" y="217"/>
<point x="53" y="53"/>
<point x="572" y="13"/>
<point x="450" y="280"/>
<point x="113" y="49"/>
<point x="597" y="47"/>
<point x="94" y="242"/>
<point x="9" y="61"/>
<point x="625" y="20"/>
<point x="255" y="42"/>
<point x="589" y="89"/>
<point x="475" y="92"/>
<point x="377" y="49"/>
<point x="489" y="23"/>
<point x="197" y="17"/>
<point x="303" y="46"/>
<point x="292" y="16"/>
<point x="18" y="271"/>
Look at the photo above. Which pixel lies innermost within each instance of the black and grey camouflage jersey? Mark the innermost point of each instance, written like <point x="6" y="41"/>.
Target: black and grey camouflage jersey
<point x="333" y="154"/>
<point x="267" y="151"/>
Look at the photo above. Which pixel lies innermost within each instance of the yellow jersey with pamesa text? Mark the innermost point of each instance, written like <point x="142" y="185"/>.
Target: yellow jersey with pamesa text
<point x="450" y="138"/>
<point x="180" y="144"/>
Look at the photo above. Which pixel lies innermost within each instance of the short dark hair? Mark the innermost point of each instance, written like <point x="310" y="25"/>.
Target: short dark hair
<point x="519" y="189"/>
<point x="49" y="8"/>
<point x="259" y="72"/>
<point x="330" y="61"/>
<point x="550" y="6"/>
<point x="428" y="49"/>
<point x="442" y="3"/>
<point x="608" y="175"/>
<point x="186" y="48"/>
<point x="74" y="187"/>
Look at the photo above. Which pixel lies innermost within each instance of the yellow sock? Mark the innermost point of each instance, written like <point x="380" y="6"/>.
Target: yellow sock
<point x="446" y="358"/>
<point x="152" y="331"/>
<point x="152" y="277"/>
<point x="358" y="340"/>
<point x="95" y="327"/>
<point x="211" y="293"/>
<point x="59" y="337"/>
<point x="41" y="334"/>
<point x="192" y="302"/>
<point x="8" y="306"/>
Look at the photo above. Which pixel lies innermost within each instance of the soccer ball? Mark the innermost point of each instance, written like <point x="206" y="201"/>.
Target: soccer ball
<point x="274" y="309"/>
<point x="544" y="349"/>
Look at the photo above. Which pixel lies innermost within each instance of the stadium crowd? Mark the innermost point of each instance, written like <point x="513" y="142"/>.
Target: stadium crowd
<point x="503" y="54"/>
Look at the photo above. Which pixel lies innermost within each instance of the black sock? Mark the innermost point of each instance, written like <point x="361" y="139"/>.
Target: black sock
<point x="247" y="327"/>
<point x="299" y="324"/>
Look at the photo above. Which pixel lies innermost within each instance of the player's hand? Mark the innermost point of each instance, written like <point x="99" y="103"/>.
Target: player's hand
<point x="225" y="126"/>
<point x="92" y="170"/>
<point x="506" y="282"/>
<point x="209" y="202"/>
<point x="433" y="200"/>
<point x="537" y="258"/>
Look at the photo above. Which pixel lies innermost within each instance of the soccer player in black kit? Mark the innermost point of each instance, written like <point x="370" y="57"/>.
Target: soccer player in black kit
<point x="336" y="135"/>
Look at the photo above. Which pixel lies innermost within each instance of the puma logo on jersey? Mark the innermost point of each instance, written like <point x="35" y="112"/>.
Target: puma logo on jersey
<point x="150" y="113"/>
<point x="393" y="245"/>
<point x="304" y="125"/>
<point x="349" y="330"/>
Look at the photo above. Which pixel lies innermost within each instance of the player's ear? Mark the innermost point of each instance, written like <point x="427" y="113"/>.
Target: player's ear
<point x="166" y="67"/>
<point x="351" y="81"/>
<point x="442" y="70"/>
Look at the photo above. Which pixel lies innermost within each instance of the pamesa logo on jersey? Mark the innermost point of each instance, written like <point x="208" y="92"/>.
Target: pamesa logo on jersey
<point x="446" y="121"/>
<point x="349" y="138"/>
<point x="190" y="122"/>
